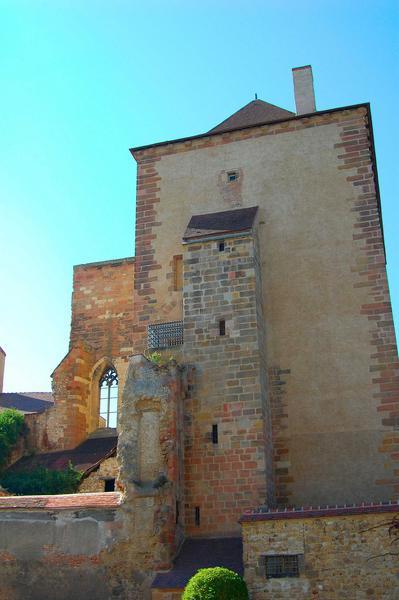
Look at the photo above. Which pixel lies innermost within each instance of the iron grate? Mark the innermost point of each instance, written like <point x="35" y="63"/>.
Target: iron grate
<point x="282" y="565"/>
<point x="165" y="335"/>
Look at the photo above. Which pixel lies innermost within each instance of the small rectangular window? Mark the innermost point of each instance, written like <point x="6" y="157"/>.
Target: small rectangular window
<point x="215" y="436"/>
<point x="178" y="273"/>
<point x="232" y="176"/>
<point x="221" y="246"/>
<point x="197" y="516"/>
<point x="222" y="327"/>
<point x="282" y="565"/>
<point x="109" y="485"/>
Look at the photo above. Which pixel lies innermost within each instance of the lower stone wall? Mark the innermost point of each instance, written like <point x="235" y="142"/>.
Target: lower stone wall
<point x="342" y="553"/>
<point x="63" y="547"/>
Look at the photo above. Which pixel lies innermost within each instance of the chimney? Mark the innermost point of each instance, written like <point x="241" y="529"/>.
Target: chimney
<point x="303" y="88"/>
<point x="2" y="365"/>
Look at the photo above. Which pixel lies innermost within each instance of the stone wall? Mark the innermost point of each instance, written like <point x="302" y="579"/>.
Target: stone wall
<point x="223" y="477"/>
<point x="106" y="545"/>
<point x="101" y="336"/>
<point x="330" y="337"/>
<point x="343" y="553"/>
<point x="95" y="481"/>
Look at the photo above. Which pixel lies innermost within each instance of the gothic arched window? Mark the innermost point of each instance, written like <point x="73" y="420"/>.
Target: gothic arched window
<point x="109" y="398"/>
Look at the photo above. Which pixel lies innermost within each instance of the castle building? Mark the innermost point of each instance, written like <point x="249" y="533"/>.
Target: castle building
<point x="259" y="290"/>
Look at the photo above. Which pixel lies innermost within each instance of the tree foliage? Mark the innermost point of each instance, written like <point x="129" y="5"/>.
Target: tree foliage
<point x="217" y="583"/>
<point x="42" y="481"/>
<point x="11" y="426"/>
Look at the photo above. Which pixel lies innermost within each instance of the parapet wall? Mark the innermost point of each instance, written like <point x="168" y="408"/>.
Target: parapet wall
<point x="344" y="553"/>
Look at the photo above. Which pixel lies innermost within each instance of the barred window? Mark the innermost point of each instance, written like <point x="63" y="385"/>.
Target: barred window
<point x="282" y="565"/>
<point x="165" y="335"/>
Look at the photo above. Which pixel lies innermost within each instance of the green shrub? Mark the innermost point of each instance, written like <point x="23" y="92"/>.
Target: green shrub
<point x="42" y="481"/>
<point x="11" y="426"/>
<point x="217" y="583"/>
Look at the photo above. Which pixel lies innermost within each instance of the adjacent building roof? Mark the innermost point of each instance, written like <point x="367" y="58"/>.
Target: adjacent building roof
<point x="85" y="457"/>
<point x="253" y="113"/>
<point x="27" y="402"/>
<point x="199" y="554"/>
<point x="219" y="223"/>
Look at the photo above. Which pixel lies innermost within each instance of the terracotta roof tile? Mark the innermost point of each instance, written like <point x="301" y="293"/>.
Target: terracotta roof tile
<point x="64" y="501"/>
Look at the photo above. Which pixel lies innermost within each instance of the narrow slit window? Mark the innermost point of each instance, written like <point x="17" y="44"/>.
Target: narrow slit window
<point x="221" y="246"/>
<point x="222" y="327"/>
<point x="178" y="273"/>
<point x="215" y="435"/>
<point x="177" y="511"/>
<point x="197" y="516"/>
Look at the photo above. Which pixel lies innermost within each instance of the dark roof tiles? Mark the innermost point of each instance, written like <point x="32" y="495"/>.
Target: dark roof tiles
<point x="84" y="457"/>
<point x="27" y="402"/>
<point x="253" y="113"/>
<point x="228" y="221"/>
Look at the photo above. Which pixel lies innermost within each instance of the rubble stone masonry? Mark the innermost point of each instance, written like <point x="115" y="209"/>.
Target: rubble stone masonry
<point x="344" y="553"/>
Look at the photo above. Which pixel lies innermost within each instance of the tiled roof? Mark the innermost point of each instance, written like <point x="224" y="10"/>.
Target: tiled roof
<point x="84" y="457"/>
<point x="199" y="554"/>
<point x="62" y="501"/>
<point x="264" y="513"/>
<point x="227" y="221"/>
<point x="253" y="113"/>
<point x="27" y="402"/>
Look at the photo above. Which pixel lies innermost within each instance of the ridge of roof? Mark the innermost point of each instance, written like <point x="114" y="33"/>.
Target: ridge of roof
<point x="251" y="114"/>
<point x="212" y="133"/>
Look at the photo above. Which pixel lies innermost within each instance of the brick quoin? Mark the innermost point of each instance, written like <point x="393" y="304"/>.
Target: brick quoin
<point x="355" y="156"/>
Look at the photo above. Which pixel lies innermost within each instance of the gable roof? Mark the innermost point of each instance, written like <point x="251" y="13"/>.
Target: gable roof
<point x="199" y="554"/>
<point x="84" y="457"/>
<point x="27" y="402"/>
<point x="253" y="113"/>
<point x="219" y="223"/>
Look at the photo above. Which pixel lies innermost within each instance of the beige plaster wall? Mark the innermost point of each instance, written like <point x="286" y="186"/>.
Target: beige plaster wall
<point x="312" y="317"/>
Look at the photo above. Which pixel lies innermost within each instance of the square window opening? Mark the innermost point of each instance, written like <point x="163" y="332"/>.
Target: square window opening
<point x="232" y="176"/>
<point x="282" y="565"/>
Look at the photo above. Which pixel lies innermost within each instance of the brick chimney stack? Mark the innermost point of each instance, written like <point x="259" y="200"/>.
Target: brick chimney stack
<point x="2" y="365"/>
<point x="303" y="88"/>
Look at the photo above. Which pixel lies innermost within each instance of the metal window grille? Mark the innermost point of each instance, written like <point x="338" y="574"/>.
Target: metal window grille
<point x="165" y="335"/>
<point x="282" y="565"/>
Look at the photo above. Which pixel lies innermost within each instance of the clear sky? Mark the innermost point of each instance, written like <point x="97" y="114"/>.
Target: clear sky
<point x="84" y="80"/>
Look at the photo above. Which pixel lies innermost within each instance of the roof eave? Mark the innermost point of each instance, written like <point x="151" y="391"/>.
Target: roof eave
<point x="276" y="122"/>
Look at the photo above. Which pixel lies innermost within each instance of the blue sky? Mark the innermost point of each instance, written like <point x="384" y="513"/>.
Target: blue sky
<point x="82" y="81"/>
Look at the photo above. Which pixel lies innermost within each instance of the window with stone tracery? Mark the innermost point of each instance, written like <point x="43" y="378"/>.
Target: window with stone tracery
<point x="109" y="398"/>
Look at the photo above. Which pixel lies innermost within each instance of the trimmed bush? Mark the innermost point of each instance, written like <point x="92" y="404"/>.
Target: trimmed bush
<point x="11" y="426"/>
<point x="216" y="583"/>
<point x="42" y="481"/>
